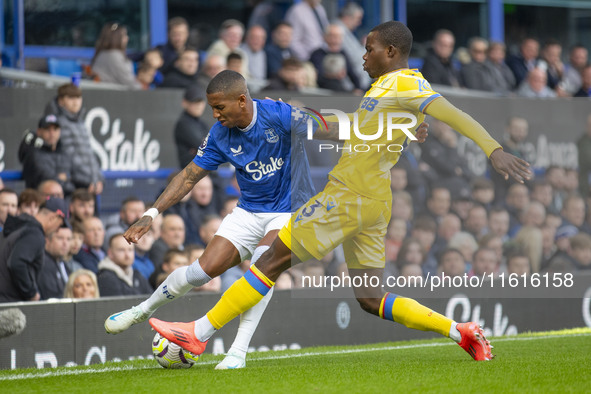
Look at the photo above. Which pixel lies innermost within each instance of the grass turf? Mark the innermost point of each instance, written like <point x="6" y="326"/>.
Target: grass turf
<point x="541" y="362"/>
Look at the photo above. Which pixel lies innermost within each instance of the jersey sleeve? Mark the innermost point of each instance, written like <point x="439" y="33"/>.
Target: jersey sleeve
<point x="414" y="92"/>
<point x="301" y="120"/>
<point x="208" y="155"/>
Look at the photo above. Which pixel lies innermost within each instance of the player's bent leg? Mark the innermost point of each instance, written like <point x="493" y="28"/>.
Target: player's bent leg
<point x="249" y="320"/>
<point x="219" y="256"/>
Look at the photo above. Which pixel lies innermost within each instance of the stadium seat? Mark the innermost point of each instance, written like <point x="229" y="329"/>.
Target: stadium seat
<point x="63" y="67"/>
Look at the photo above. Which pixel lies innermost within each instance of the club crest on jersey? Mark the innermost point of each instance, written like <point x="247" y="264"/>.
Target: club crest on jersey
<point x="271" y="136"/>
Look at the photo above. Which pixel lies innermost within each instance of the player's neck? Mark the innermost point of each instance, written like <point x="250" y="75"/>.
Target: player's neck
<point x="395" y="67"/>
<point x="248" y="115"/>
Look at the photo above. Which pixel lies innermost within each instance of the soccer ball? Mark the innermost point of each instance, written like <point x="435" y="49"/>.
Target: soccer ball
<point x="171" y="355"/>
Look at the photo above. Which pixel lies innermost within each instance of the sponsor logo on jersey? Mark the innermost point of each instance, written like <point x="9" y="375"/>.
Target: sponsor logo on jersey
<point x="258" y="169"/>
<point x="237" y="151"/>
<point x="203" y="146"/>
<point x="271" y="136"/>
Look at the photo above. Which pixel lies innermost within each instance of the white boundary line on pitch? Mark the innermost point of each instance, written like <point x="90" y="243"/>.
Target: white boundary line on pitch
<point x="35" y="375"/>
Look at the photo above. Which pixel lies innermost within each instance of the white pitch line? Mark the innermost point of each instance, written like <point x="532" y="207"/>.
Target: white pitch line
<point x="35" y="375"/>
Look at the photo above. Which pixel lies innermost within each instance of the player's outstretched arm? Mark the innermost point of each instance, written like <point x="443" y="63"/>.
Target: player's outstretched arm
<point x="504" y="163"/>
<point x="174" y="192"/>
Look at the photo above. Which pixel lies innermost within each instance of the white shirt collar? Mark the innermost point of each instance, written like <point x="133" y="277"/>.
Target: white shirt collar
<point x="254" y="118"/>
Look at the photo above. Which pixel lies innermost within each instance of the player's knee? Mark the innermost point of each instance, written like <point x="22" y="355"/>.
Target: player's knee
<point x="370" y="305"/>
<point x="213" y="267"/>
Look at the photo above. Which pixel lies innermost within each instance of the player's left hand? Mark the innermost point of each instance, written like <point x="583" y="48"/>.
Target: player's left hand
<point x="508" y="165"/>
<point x="422" y="133"/>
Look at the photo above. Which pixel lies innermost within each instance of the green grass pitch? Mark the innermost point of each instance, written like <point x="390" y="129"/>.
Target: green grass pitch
<point x="542" y="362"/>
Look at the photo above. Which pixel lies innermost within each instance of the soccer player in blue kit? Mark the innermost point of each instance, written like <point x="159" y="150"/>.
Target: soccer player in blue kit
<point x="264" y="142"/>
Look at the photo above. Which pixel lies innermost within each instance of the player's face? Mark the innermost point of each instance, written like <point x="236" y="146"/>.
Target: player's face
<point x="376" y="56"/>
<point x="226" y="109"/>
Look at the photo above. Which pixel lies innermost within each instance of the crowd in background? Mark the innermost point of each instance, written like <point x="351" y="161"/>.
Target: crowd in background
<point x="445" y="220"/>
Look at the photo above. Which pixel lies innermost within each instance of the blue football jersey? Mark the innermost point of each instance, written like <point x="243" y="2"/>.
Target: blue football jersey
<point x="268" y="155"/>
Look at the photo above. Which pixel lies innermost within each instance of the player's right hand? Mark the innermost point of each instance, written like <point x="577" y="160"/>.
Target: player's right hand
<point x="510" y="166"/>
<point x="138" y="229"/>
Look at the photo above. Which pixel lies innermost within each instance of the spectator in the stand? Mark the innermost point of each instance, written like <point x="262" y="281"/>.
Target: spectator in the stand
<point x="534" y="214"/>
<point x="491" y="241"/>
<point x="580" y="251"/>
<point x="350" y="18"/>
<point x="110" y="62"/>
<point x="530" y="240"/>
<point x="572" y="76"/>
<point x="209" y="226"/>
<point x="81" y="205"/>
<point x="483" y="191"/>
<point x="461" y="202"/>
<point x="51" y="188"/>
<point x="549" y="248"/>
<point x="178" y="33"/>
<point x="211" y="67"/>
<point x="499" y="222"/>
<point x="132" y="208"/>
<point x="199" y="206"/>
<point x="142" y="262"/>
<point x="82" y="284"/>
<point x="584" y="157"/>
<point x="402" y="207"/>
<point x="190" y="130"/>
<point x="22" y="245"/>
<point x="411" y="252"/>
<point x="476" y="75"/>
<point x="573" y="212"/>
<point x="485" y="263"/>
<point x="542" y="193"/>
<point x="29" y="202"/>
<point x="43" y="157"/>
<point x="518" y="263"/>
<point x="398" y="179"/>
<point x="333" y="45"/>
<point x="278" y="50"/>
<point x="534" y="86"/>
<point x="253" y="47"/>
<point x="289" y="77"/>
<point x="8" y="205"/>
<point x="500" y="75"/>
<point x="230" y="37"/>
<point x="477" y="222"/>
<point x="525" y="61"/>
<point x="153" y="58"/>
<point x="54" y="274"/>
<point x="116" y="276"/>
<point x="184" y="72"/>
<point x="585" y="90"/>
<point x="146" y="75"/>
<point x="173" y="259"/>
<point x="516" y="201"/>
<point x="465" y="243"/>
<point x="551" y="62"/>
<point x="439" y="202"/>
<point x="234" y="62"/>
<point x="451" y="263"/>
<point x="571" y="180"/>
<point x="76" y="242"/>
<point x="438" y="67"/>
<point x="333" y="73"/>
<point x="449" y="225"/>
<point x="172" y="236"/>
<point x="555" y="177"/>
<point x="86" y="171"/>
<point x="265" y="13"/>
<point x="394" y="237"/>
<point x="92" y="251"/>
<point x="439" y="152"/>
<point x="516" y="132"/>
<point x="309" y="21"/>
<point x="424" y="229"/>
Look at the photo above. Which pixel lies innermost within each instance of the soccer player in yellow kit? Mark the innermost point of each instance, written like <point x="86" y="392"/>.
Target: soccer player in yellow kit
<point x="355" y="207"/>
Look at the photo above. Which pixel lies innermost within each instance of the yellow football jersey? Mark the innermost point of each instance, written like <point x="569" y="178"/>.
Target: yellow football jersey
<point x="396" y="101"/>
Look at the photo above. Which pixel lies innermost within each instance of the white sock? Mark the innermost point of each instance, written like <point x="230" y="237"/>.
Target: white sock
<point x="250" y="319"/>
<point x="175" y="285"/>
<point x="203" y="329"/>
<point x="454" y="333"/>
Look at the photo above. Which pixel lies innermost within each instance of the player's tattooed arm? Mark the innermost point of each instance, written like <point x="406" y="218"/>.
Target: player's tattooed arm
<point x="178" y="188"/>
<point x="331" y="133"/>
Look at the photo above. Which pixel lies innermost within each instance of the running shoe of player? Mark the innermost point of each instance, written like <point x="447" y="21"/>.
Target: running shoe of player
<point x="474" y="342"/>
<point x="121" y="321"/>
<point x="183" y="334"/>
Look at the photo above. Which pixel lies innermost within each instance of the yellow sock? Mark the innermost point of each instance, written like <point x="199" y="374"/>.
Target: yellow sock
<point x="410" y="313"/>
<point x="245" y="293"/>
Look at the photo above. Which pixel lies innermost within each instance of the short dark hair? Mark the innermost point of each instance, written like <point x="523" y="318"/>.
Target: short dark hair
<point x="233" y="56"/>
<point x="291" y="62"/>
<point x="170" y="253"/>
<point x="82" y="195"/>
<point x="396" y="34"/>
<point x="177" y="21"/>
<point x="29" y="196"/>
<point x="128" y="200"/>
<point x="69" y="90"/>
<point x="447" y="251"/>
<point x="227" y="81"/>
